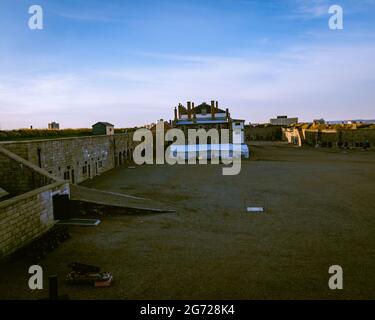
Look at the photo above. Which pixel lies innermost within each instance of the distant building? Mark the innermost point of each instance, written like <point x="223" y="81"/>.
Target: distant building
<point x="238" y="129"/>
<point x="356" y="121"/>
<point x="149" y="126"/>
<point x="319" y="121"/>
<point x="103" y="128"/>
<point x="206" y="116"/>
<point x="53" y="126"/>
<point x="153" y="127"/>
<point x="283" y="121"/>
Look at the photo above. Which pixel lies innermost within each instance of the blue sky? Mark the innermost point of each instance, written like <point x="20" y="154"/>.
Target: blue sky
<point x="131" y="62"/>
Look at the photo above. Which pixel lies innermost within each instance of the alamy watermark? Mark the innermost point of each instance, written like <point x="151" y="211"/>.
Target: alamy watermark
<point x="36" y="280"/>
<point x="36" y="19"/>
<point x="191" y="149"/>
<point x="336" y="21"/>
<point x="336" y="281"/>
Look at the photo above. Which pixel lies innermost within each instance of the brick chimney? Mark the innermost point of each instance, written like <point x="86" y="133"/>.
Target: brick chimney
<point x="179" y="110"/>
<point x="212" y="108"/>
<point x="227" y="113"/>
<point x="175" y="113"/>
<point x="189" y="109"/>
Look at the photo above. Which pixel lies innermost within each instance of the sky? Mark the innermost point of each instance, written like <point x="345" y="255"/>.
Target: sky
<point x="131" y="62"/>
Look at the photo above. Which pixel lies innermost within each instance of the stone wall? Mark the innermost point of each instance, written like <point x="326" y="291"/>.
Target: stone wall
<point x="34" y="171"/>
<point x="362" y="137"/>
<point x="354" y="138"/>
<point x="76" y="159"/>
<point x="124" y="147"/>
<point x="293" y="135"/>
<point x="29" y="212"/>
<point x="263" y="133"/>
<point x="27" y="216"/>
<point x="17" y="176"/>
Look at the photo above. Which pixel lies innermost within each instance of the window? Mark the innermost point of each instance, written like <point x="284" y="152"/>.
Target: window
<point x="73" y="179"/>
<point x="84" y="170"/>
<point x="66" y="175"/>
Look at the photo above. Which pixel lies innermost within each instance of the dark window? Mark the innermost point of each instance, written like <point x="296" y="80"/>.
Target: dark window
<point x="40" y="157"/>
<point x="73" y="177"/>
<point x="66" y="175"/>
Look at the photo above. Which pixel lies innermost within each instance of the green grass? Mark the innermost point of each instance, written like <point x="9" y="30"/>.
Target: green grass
<point x="33" y="134"/>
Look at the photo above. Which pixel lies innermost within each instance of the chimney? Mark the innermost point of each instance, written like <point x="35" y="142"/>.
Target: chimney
<point x="192" y="110"/>
<point x="227" y="113"/>
<point x="175" y="113"/>
<point x="212" y="108"/>
<point x="189" y="109"/>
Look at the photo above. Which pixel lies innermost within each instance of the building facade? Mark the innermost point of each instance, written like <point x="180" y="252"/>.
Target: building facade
<point x="53" y="126"/>
<point x="103" y="128"/>
<point x="208" y="116"/>
<point x="283" y="121"/>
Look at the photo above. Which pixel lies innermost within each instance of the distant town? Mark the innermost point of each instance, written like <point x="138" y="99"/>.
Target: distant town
<point x="356" y="133"/>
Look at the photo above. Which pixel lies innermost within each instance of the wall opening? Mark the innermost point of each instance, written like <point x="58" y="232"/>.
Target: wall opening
<point x="61" y="206"/>
<point x="39" y="157"/>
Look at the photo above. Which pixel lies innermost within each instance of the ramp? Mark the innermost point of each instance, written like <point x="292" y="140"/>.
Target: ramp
<point x="3" y="193"/>
<point x="118" y="200"/>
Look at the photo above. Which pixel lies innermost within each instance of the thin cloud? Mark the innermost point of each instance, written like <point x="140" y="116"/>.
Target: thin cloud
<point x="308" y="10"/>
<point x="334" y="82"/>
